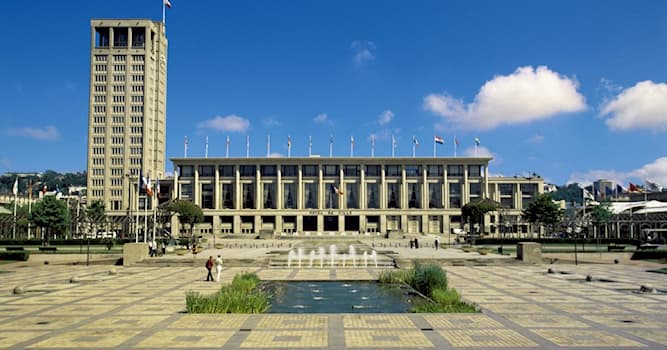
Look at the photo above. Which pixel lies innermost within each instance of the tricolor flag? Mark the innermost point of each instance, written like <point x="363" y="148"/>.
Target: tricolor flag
<point x="477" y="141"/>
<point x="146" y="185"/>
<point x="289" y="141"/>
<point x="335" y="190"/>
<point x="157" y="188"/>
<point x="456" y="141"/>
<point x="167" y="3"/>
<point x="352" y="140"/>
<point x="415" y="141"/>
<point x="439" y="140"/>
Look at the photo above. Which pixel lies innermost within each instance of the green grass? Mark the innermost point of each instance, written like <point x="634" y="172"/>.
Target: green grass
<point x="241" y="296"/>
<point x="431" y="281"/>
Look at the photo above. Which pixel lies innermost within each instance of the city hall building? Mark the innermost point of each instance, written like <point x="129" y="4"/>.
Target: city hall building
<point x="310" y="196"/>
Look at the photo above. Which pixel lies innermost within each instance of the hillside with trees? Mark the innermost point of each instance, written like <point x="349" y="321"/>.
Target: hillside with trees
<point x="49" y="178"/>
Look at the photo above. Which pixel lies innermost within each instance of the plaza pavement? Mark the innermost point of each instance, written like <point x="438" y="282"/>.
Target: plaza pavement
<point x="523" y="307"/>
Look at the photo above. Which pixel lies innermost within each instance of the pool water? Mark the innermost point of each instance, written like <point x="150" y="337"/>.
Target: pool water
<point x="340" y="297"/>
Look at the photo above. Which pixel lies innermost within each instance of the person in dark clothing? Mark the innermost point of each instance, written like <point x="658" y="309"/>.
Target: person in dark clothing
<point x="209" y="267"/>
<point x="416" y="243"/>
<point x="437" y="244"/>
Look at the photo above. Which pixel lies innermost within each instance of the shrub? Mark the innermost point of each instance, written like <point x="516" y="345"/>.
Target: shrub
<point x="445" y="296"/>
<point x="18" y="255"/>
<point x="429" y="277"/>
<point x="242" y="296"/>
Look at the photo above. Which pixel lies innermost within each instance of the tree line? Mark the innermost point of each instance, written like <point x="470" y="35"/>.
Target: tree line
<point x="49" y="178"/>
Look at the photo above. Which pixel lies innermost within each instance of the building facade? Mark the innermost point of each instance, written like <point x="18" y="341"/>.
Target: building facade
<point x="127" y="103"/>
<point x="328" y="196"/>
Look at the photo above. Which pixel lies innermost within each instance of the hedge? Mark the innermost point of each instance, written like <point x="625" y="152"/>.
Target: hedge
<point x="649" y="254"/>
<point x="18" y="256"/>
<point x="93" y="241"/>
<point x="623" y="241"/>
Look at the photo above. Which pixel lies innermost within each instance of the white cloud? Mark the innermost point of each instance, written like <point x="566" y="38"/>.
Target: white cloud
<point x="232" y="123"/>
<point x="49" y="133"/>
<point x="321" y="118"/>
<point x="385" y="117"/>
<point x="643" y="106"/>
<point x="364" y="51"/>
<point x="524" y="96"/>
<point x="271" y="122"/>
<point x="480" y="152"/>
<point x="276" y="155"/>
<point x="654" y="172"/>
<point x="536" y="139"/>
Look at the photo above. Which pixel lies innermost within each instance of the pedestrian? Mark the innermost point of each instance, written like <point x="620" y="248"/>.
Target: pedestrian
<point x="412" y="243"/>
<point x="416" y="243"/>
<point x="150" y="249"/>
<point x="164" y="248"/>
<point x="209" y="267"/>
<point x="437" y="244"/>
<point x="218" y="268"/>
<point x="154" y="245"/>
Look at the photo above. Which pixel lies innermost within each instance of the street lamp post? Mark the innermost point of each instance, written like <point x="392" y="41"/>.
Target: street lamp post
<point x="577" y="230"/>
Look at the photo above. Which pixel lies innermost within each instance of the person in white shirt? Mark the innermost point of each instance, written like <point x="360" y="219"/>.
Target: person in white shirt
<point x="218" y="268"/>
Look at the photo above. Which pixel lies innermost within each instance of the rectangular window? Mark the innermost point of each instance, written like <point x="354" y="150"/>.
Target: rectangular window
<point x="248" y="170"/>
<point x="310" y="170"/>
<point x="333" y="193"/>
<point x="475" y="190"/>
<point x="474" y="170"/>
<point x="351" y="170"/>
<point x="435" y="195"/>
<point x="186" y="191"/>
<point x="373" y="170"/>
<point x="414" y="195"/>
<point x="249" y="196"/>
<point x="269" y="196"/>
<point x="227" y="196"/>
<point x="186" y="171"/>
<point x="455" y="195"/>
<point x="455" y="170"/>
<point x="506" y="189"/>
<point x="434" y="171"/>
<point x="413" y="170"/>
<point x="206" y="171"/>
<point x="226" y="171"/>
<point x="352" y="195"/>
<point x="289" y="195"/>
<point x="289" y="170"/>
<point x="330" y="170"/>
<point x="268" y="170"/>
<point x="207" y="196"/>
<point x="393" y="195"/>
<point x="310" y="195"/>
<point x="392" y="170"/>
<point x="372" y="196"/>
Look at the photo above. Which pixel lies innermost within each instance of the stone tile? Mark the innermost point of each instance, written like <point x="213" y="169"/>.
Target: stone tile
<point x="515" y="308"/>
<point x="11" y="338"/>
<point x="486" y="338"/>
<point x="20" y="310"/>
<point x="359" y="321"/>
<point x="483" y="299"/>
<point x="110" y="300"/>
<point x="626" y="321"/>
<point x="655" y="335"/>
<point x="286" y="339"/>
<point x="582" y="337"/>
<point x="386" y="338"/>
<point x="186" y="339"/>
<point x="649" y="308"/>
<point x="78" y="310"/>
<point x="152" y="309"/>
<point x="44" y="299"/>
<point x="588" y="308"/>
<point x="108" y="339"/>
<point x="209" y="321"/>
<point x="293" y="322"/>
<point x="124" y="322"/>
<point x="546" y="320"/>
<point x="42" y="323"/>
<point x="458" y="321"/>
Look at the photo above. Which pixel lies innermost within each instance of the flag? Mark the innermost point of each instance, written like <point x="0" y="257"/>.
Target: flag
<point x="289" y="142"/>
<point x="15" y="189"/>
<point x="439" y="140"/>
<point x="415" y="141"/>
<point x="167" y="3"/>
<point x="588" y="195"/>
<point x="652" y="186"/>
<point x="146" y="185"/>
<point x="619" y="189"/>
<point x="477" y="141"/>
<point x="44" y="189"/>
<point x="352" y="141"/>
<point x="157" y="187"/>
<point x="456" y="141"/>
<point x="372" y="140"/>
<point x="227" y="140"/>
<point x="57" y="189"/>
<point x="632" y="188"/>
<point x="335" y="190"/>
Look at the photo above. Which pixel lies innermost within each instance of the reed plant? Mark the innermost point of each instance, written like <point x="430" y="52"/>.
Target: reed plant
<point x="241" y="296"/>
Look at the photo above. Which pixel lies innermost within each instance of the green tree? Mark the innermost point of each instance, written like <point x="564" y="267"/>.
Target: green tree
<point x="570" y="193"/>
<point x="96" y="215"/>
<point x="52" y="215"/>
<point x="602" y="214"/>
<point x="543" y="211"/>
<point x="474" y="212"/>
<point x="188" y="213"/>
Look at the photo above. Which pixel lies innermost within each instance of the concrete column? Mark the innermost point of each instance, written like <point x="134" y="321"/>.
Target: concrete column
<point x="299" y="223"/>
<point x="279" y="190"/>
<point x="195" y="187"/>
<point x="300" y="192"/>
<point x="216" y="189"/>
<point x="216" y="224"/>
<point x="258" y="188"/>
<point x="341" y="223"/>
<point x="278" y="229"/>
<point x="320" y="223"/>
<point x="363" y="200"/>
<point x="236" y="225"/>
<point x="238" y="190"/>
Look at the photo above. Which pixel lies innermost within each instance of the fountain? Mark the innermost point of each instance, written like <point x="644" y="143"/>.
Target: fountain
<point x="290" y="256"/>
<point x="332" y="252"/>
<point x="374" y="256"/>
<point x="321" y="250"/>
<point x="365" y="258"/>
<point x="300" y="255"/>
<point x="353" y="255"/>
<point x="312" y="256"/>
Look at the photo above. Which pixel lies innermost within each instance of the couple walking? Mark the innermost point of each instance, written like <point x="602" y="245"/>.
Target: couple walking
<point x="218" y="268"/>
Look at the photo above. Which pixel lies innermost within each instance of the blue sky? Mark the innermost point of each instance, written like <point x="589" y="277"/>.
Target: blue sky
<point x="570" y="90"/>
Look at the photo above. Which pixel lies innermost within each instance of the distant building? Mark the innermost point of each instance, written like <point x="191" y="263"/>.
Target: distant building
<point x="347" y="196"/>
<point x="127" y="118"/>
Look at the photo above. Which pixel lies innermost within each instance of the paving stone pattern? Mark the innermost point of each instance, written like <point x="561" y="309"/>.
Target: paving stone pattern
<point x="143" y="308"/>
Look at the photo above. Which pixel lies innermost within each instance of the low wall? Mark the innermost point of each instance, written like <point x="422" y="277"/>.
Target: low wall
<point x="529" y="252"/>
<point x="134" y="252"/>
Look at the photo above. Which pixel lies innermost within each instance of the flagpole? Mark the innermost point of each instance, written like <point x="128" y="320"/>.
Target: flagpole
<point x="136" y="227"/>
<point x="434" y="144"/>
<point x="372" y="146"/>
<point x="164" y="22"/>
<point x="268" y="145"/>
<point x="351" y="146"/>
<point x="393" y="146"/>
<point x="414" y="146"/>
<point x="30" y="208"/>
<point x="455" y="145"/>
<point x="310" y="145"/>
<point x="185" y="146"/>
<point x="289" y="146"/>
<point x="16" y="192"/>
<point x="247" y="146"/>
<point x="206" y="150"/>
<point x="227" y="148"/>
<point x="330" y="146"/>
